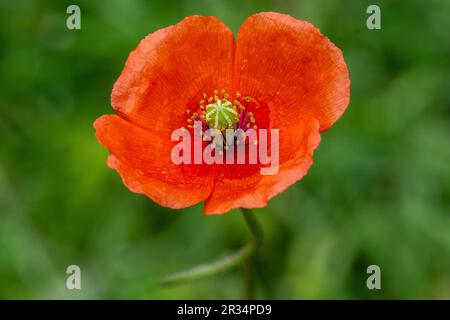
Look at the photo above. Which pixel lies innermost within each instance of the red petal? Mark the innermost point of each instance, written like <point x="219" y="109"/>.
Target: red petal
<point x="290" y="65"/>
<point x="171" y="68"/>
<point x="301" y="76"/>
<point x="233" y="190"/>
<point x="143" y="160"/>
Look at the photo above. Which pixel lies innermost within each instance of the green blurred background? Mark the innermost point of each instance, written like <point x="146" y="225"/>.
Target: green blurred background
<point x="378" y="193"/>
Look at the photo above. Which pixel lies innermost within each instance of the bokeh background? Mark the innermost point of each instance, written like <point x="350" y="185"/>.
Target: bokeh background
<point x="378" y="193"/>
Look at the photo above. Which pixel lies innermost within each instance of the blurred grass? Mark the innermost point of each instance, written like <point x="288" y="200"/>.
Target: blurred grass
<point x="378" y="193"/>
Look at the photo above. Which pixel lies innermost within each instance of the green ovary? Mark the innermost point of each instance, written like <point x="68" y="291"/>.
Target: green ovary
<point x="221" y="115"/>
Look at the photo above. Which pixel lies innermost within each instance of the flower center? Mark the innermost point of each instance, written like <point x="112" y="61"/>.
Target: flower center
<point x="220" y="113"/>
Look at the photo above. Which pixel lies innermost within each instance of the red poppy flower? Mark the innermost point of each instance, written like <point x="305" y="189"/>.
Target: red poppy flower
<point x="280" y="73"/>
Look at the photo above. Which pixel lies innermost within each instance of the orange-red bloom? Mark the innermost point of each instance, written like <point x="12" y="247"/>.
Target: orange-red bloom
<point x="296" y="77"/>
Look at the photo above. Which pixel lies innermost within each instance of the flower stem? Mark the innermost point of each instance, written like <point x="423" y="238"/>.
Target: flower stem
<point x="226" y="262"/>
<point x="248" y="284"/>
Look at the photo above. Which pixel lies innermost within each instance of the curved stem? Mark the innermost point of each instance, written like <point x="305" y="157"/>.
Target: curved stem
<point x="224" y="263"/>
<point x="248" y="285"/>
